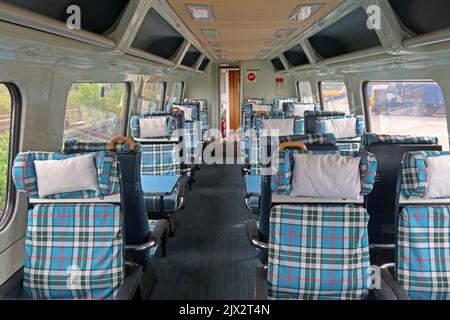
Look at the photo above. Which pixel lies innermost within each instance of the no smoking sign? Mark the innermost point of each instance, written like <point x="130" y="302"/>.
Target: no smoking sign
<point x="251" y="77"/>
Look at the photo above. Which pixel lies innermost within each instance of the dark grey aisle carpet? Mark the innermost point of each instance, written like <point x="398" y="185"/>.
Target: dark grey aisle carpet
<point x="210" y="257"/>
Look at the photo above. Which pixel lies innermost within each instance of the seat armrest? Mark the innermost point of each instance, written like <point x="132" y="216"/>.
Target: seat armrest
<point x="131" y="283"/>
<point x="155" y="237"/>
<point x="389" y="281"/>
<point x="260" y="283"/>
<point x="254" y="237"/>
<point x="161" y="227"/>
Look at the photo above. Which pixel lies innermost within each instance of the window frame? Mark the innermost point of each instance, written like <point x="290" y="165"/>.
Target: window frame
<point x="365" y="97"/>
<point x="298" y="90"/>
<point x="322" y="104"/>
<point x="14" y="143"/>
<point x="164" y="97"/>
<point x="127" y="102"/>
<point x="182" y="90"/>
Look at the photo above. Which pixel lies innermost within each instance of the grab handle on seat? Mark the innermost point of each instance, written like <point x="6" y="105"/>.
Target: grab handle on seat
<point x="116" y="140"/>
<point x="293" y="145"/>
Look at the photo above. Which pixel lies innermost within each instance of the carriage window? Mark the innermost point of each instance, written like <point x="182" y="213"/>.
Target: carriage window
<point x="177" y="92"/>
<point x="96" y="111"/>
<point x="8" y="150"/>
<point x="305" y="94"/>
<point x="407" y="107"/>
<point x="154" y="95"/>
<point x="334" y="96"/>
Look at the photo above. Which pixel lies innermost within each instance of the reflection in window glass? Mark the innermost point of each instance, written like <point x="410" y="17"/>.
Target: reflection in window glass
<point x="153" y="97"/>
<point x="177" y="92"/>
<point x="305" y="94"/>
<point x="5" y="133"/>
<point x="416" y="108"/>
<point x="96" y="111"/>
<point x="334" y="96"/>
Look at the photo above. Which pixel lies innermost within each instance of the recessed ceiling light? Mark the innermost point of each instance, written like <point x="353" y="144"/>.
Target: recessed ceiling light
<point x="305" y="11"/>
<point x="210" y="33"/>
<point x="215" y="44"/>
<point x="200" y="12"/>
<point x="218" y="50"/>
<point x="284" y="33"/>
<point x="273" y="44"/>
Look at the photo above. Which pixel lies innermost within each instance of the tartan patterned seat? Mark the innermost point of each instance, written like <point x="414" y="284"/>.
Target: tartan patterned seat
<point x="174" y="122"/>
<point x="381" y="203"/>
<point x="423" y="244"/>
<point x="372" y="138"/>
<point x="256" y="168"/>
<point x="318" y="252"/>
<point x="134" y="205"/>
<point x="162" y="160"/>
<point x="278" y="103"/>
<point x="283" y="169"/>
<point x="345" y="143"/>
<point x="72" y="250"/>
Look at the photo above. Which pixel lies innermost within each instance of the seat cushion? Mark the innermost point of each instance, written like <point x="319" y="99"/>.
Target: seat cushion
<point x="153" y="204"/>
<point x="318" y="252"/>
<point x="424" y="253"/>
<point x="73" y="252"/>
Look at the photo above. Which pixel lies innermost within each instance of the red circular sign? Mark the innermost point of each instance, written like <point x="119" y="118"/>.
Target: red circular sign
<point x="251" y="76"/>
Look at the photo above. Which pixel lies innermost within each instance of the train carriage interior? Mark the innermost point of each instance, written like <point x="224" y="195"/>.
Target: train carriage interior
<point x="224" y="150"/>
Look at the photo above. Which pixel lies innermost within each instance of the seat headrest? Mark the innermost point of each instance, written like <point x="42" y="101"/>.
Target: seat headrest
<point x="173" y="122"/>
<point x="283" y="168"/>
<point x="372" y="138"/>
<point x="25" y="177"/>
<point x="323" y="125"/>
<point x="75" y="146"/>
<point x="415" y="172"/>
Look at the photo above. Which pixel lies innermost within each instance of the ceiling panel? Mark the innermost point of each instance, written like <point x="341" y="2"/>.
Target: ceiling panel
<point x="246" y="26"/>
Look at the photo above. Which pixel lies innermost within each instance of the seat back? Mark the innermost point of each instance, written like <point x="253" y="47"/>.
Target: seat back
<point x="175" y="121"/>
<point x="311" y="244"/>
<point x="348" y="140"/>
<point x="314" y="142"/>
<point x="136" y="223"/>
<point x="298" y="109"/>
<point x="312" y="116"/>
<point x="389" y="151"/>
<point x="279" y="102"/>
<point x="73" y="244"/>
<point x="161" y="159"/>
<point x="423" y="244"/>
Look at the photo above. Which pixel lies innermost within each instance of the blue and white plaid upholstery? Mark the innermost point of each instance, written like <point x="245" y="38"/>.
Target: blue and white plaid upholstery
<point x="279" y="102"/>
<point x="423" y="252"/>
<point x="349" y="146"/>
<point x="371" y="138"/>
<point x="25" y="179"/>
<point x="192" y="134"/>
<point x="289" y="107"/>
<point x="318" y="252"/>
<point x="283" y="168"/>
<point x="257" y="120"/>
<point x="415" y="172"/>
<point x="76" y="146"/>
<point x="172" y="123"/>
<point x="161" y="159"/>
<point x="73" y="252"/>
<point x="170" y="203"/>
<point x="360" y="124"/>
<point x="194" y="109"/>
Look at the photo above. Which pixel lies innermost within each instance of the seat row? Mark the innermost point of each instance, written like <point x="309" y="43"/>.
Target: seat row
<point x="100" y="211"/>
<point x="318" y="242"/>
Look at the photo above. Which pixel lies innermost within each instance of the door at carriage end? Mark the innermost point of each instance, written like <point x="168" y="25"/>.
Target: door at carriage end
<point x="234" y="99"/>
